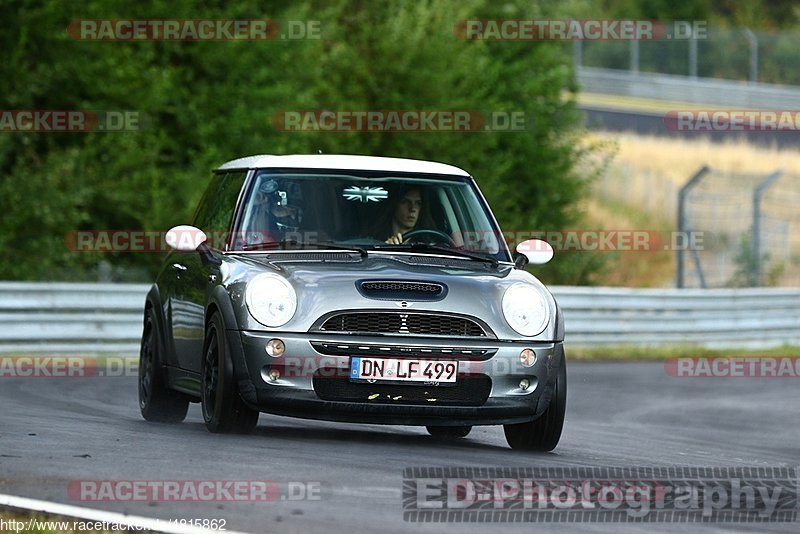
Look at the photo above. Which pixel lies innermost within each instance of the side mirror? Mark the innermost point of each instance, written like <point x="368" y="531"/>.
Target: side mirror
<point x="534" y="251"/>
<point x="185" y="238"/>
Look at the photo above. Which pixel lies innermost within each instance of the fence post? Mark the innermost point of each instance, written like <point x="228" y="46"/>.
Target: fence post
<point x="692" y="54"/>
<point x="752" y="38"/>
<point x="758" y="194"/>
<point x="634" y="65"/>
<point x="682" y="226"/>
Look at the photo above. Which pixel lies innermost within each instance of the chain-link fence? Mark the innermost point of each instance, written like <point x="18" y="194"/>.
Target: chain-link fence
<point x="646" y="190"/>
<point x="779" y="230"/>
<point x="735" y="54"/>
<point x="749" y="223"/>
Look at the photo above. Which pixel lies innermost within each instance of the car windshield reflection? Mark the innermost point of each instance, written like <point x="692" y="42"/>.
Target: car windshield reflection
<point x="291" y="209"/>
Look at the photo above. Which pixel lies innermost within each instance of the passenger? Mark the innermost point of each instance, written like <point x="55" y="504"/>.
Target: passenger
<point x="278" y="217"/>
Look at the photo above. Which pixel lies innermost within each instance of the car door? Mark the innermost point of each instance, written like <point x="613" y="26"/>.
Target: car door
<point x="194" y="277"/>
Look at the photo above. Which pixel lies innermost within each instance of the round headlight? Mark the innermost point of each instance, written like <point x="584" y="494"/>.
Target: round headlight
<point x="526" y="309"/>
<point x="271" y="300"/>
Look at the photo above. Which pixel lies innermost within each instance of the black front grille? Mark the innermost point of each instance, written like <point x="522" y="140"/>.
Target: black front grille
<point x="470" y="390"/>
<point x="403" y="323"/>
<point x="408" y="351"/>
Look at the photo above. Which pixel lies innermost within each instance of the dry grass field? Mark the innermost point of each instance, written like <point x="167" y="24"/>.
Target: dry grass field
<point x="640" y="186"/>
<point x="676" y="159"/>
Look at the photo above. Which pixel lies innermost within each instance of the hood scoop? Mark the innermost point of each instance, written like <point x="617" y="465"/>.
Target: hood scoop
<point x="401" y="290"/>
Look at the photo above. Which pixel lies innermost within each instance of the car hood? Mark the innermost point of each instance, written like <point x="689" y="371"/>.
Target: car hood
<point x="329" y="282"/>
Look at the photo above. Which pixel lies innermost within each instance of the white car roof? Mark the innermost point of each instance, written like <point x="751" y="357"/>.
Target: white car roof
<point x="344" y="162"/>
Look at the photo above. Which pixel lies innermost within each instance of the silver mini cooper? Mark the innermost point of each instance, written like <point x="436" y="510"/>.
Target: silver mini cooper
<point x="353" y="288"/>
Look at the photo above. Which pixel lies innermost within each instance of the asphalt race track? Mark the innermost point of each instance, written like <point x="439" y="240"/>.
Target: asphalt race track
<point x="621" y="120"/>
<point x="53" y="431"/>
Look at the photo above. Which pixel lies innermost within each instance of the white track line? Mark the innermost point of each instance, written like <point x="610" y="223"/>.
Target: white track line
<point x="90" y="514"/>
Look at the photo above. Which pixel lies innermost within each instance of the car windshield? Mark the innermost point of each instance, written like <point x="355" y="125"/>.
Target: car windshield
<point x="370" y="210"/>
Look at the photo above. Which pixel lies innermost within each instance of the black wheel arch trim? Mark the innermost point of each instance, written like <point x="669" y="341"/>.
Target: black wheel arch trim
<point x="559" y="324"/>
<point x="549" y="387"/>
<point x="220" y="300"/>
<point x="153" y="299"/>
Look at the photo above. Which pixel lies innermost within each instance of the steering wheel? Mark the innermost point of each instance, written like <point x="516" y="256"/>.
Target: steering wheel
<point x="421" y="231"/>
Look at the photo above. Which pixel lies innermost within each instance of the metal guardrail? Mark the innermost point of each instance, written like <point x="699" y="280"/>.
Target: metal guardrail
<point x="66" y="317"/>
<point x="51" y="318"/>
<point x="722" y="318"/>
<point x="685" y="89"/>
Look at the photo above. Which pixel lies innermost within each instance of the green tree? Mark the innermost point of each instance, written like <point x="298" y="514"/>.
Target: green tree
<point x="207" y="102"/>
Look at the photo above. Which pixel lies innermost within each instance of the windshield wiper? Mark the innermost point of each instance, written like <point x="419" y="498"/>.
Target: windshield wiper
<point x="285" y="244"/>
<point x="439" y="248"/>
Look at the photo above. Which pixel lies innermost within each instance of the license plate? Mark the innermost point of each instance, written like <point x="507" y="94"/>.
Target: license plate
<point x="403" y="370"/>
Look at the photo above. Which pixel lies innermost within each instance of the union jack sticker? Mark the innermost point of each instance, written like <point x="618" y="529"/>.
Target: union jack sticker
<point x="365" y="194"/>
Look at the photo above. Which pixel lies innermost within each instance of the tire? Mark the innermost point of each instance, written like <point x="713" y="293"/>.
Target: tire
<point x="157" y="402"/>
<point x="449" y="432"/>
<point x="224" y="412"/>
<point x="544" y="433"/>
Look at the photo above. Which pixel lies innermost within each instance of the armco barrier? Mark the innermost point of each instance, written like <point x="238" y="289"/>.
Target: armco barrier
<point x="723" y="318"/>
<point x="66" y="317"/>
<point x="713" y="93"/>
<point x="107" y="318"/>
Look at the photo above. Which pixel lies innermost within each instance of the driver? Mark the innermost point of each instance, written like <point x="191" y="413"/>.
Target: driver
<point x="405" y="215"/>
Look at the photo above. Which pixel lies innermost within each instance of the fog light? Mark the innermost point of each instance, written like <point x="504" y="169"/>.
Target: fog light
<point x="527" y="357"/>
<point x="524" y="384"/>
<point x="275" y="348"/>
<point x="273" y="375"/>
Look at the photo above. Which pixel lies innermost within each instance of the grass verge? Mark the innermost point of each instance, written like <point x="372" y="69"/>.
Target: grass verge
<point x="632" y="353"/>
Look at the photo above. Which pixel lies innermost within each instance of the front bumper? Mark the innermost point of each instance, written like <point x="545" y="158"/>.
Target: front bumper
<point x="314" y="381"/>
